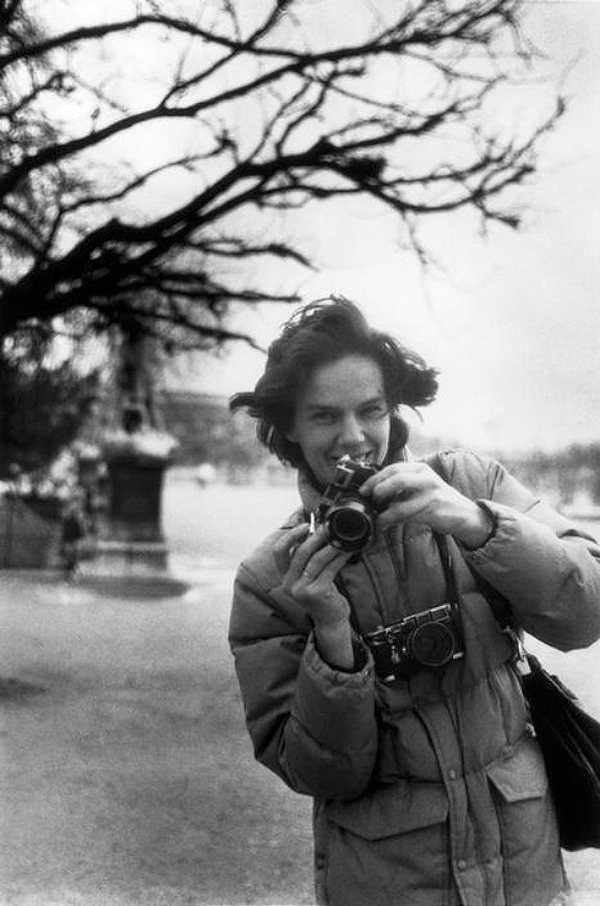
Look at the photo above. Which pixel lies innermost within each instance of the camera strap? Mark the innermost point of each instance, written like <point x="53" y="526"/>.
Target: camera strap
<point x="446" y="558"/>
<point x="452" y="596"/>
<point x="496" y="601"/>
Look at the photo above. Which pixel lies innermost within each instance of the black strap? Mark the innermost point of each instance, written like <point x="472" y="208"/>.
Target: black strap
<point x="498" y="603"/>
<point x="446" y="558"/>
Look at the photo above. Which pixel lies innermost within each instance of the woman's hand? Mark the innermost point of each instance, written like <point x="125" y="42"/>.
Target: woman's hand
<point x="309" y="566"/>
<point x="413" y="492"/>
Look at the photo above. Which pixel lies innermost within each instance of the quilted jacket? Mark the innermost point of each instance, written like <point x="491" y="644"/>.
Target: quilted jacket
<point x="431" y="791"/>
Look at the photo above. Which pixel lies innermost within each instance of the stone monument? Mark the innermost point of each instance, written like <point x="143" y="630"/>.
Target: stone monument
<point x="136" y="453"/>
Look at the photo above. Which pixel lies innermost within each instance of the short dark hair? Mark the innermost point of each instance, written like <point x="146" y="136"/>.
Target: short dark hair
<point x="321" y="333"/>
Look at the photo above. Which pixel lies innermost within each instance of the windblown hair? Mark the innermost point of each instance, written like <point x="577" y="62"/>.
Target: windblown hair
<point x="321" y="333"/>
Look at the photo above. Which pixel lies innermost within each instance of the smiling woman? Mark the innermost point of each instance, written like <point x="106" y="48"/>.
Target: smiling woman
<point x="375" y="677"/>
<point x="342" y="411"/>
<point x="372" y="375"/>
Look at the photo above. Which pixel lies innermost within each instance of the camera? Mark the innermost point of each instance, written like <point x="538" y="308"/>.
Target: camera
<point x="428" y="639"/>
<point x="349" y="520"/>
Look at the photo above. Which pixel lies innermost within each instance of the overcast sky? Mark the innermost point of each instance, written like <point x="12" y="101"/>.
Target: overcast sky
<point x="513" y="323"/>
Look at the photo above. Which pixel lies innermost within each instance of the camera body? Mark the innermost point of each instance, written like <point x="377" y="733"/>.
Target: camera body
<point x="425" y="640"/>
<point x="348" y="518"/>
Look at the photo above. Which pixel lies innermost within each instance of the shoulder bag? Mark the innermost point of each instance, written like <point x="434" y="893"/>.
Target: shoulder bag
<point x="569" y="738"/>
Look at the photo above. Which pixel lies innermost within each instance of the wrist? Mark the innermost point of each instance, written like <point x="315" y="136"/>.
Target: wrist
<point x="478" y="527"/>
<point x="334" y="643"/>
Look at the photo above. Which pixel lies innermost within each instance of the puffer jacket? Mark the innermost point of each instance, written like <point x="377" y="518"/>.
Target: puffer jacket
<point x="431" y="791"/>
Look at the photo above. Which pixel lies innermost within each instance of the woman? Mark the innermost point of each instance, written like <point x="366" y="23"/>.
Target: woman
<point x="428" y="785"/>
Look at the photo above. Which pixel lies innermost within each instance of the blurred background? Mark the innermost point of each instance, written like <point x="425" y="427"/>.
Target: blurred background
<point x="175" y="179"/>
<point x="169" y="198"/>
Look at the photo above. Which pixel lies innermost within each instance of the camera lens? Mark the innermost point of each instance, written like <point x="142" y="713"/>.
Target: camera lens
<point x="349" y="526"/>
<point x="432" y="644"/>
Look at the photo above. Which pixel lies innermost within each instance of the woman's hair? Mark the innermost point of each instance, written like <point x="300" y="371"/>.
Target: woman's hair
<point x="321" y="333"/>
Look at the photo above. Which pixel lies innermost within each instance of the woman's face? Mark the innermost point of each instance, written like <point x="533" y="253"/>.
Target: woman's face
<point x="342" y="410"/>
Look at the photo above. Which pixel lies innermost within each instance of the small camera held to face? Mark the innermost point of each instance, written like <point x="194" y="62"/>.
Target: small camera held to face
<point x="428" y="639"/>
<point x="348" y="519"/>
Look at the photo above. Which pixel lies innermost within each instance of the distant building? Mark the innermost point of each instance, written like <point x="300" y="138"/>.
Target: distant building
<point x="208" y="433"/>
<point x="199" y="421"/>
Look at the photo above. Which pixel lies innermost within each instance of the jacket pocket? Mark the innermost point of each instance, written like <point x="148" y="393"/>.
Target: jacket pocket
<point x="392" y="810"/>
<point x="391" y="846"/>
<point x="527" y="824"/>
<point x="522" y="775"/>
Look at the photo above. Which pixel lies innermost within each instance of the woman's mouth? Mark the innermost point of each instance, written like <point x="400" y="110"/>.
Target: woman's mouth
<point x="355" y="457"/>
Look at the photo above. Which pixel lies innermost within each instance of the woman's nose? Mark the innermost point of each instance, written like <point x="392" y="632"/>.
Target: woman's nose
<point x="351" y="430"/>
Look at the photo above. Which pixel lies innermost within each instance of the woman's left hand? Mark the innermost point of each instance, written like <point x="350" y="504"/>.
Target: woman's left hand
<point x="413" y="492"/>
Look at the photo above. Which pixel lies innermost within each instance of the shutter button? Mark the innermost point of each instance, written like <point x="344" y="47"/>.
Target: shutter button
<point x="461" y="864"/>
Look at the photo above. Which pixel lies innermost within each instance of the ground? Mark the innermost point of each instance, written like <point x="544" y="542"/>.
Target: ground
<point x="128" y="776"/>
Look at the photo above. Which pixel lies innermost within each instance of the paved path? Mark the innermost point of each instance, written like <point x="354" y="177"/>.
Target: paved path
<point x="130" y="779"/>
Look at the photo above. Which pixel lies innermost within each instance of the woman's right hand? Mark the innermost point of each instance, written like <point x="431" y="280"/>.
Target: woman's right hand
<point x="309" y="566"/>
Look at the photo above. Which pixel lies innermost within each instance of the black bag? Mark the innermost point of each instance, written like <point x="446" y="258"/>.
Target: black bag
<point x="570" y="741"/>
<point x="569" y="738"/>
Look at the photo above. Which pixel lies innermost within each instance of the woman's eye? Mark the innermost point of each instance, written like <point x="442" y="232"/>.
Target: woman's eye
<point x="323" y="418"/>
<point x="377" y="410"/>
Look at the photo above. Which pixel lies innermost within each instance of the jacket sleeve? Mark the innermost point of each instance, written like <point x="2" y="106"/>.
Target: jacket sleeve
<point x="546" y="568"/>
<point x="311" y="724"/>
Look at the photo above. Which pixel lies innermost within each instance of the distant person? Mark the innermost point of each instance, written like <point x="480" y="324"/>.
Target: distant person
<point x="205" y="474"/>
<point x="374" y="675"/>
<point x="73" y="531"/>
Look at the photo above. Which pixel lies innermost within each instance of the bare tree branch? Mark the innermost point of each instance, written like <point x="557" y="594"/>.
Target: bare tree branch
<point x="278" y="118"/>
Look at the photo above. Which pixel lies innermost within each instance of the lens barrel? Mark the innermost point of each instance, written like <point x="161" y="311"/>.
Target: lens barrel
<point x="349" y="525"/>
<point x="432" y="644"/>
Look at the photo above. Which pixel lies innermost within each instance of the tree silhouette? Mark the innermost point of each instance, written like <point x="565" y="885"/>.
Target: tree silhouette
<point x="42" y="405"/>
<point x="281" y="114"/>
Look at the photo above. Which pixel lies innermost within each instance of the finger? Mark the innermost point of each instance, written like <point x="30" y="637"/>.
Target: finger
<point x="333" y="566"/>
<point x="304" y="552"/>
<point x="317" y="582"/>
<point x="366" y="488"/>
<point x="320" y="563"/>
<point x="404" y="480"/>
<point x="394" y="487"/>
<point x="284" y="547"/>
<point x="400" y="471"/>
<point x="403" y="510"/>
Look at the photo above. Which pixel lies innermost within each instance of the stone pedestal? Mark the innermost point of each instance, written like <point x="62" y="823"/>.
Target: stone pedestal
<point x="130" y="541"/>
